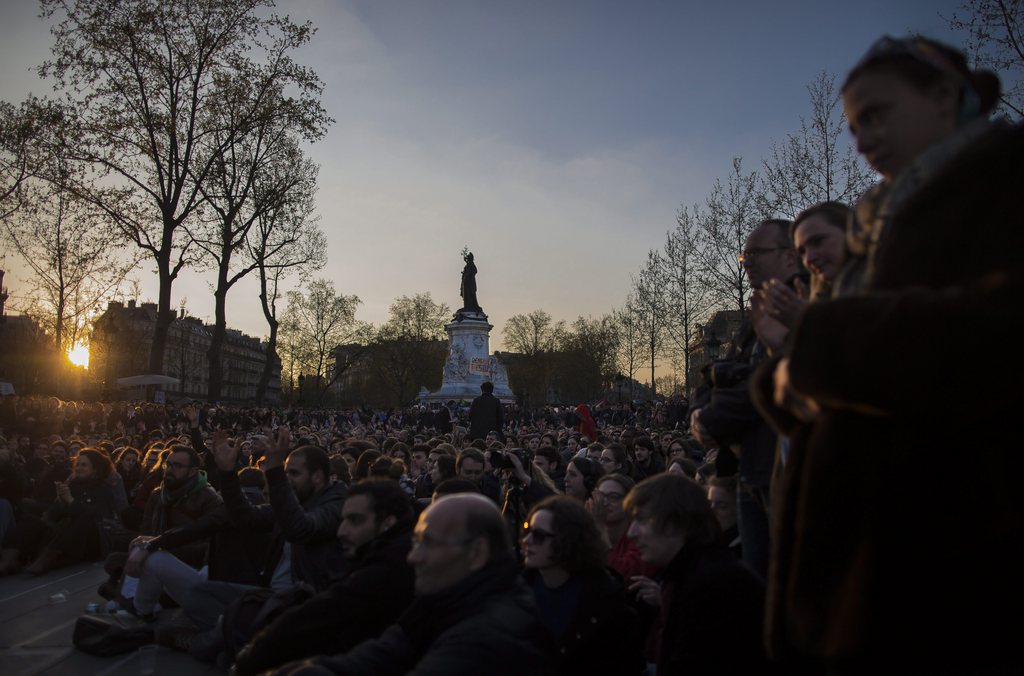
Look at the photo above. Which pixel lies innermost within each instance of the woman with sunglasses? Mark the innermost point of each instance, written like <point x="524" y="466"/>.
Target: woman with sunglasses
<point x="582" y="605"/>
<point x="873" y="572"/>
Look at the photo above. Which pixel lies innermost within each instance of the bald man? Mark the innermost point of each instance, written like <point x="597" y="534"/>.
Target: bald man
<point x="472" y="614"/>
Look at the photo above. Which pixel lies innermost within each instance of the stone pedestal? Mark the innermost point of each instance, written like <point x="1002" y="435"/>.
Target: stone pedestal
<point x="470" y="362"/>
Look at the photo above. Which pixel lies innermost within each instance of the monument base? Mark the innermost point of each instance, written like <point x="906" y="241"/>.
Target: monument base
<point x="470" y="362"/>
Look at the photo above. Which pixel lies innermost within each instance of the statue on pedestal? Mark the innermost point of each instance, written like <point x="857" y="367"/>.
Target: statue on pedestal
<point x="468" y="289"/>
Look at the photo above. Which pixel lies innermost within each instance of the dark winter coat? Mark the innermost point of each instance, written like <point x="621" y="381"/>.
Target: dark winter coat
<point x="368" y="599"/>
<point x="485" y="415"/>
<point x="193" y="507"/>
<point x="604" y="634"/>
<point x="713" y="610"/>
<point x="900" y="519"/>
<point x="310" y="527"/>
<point x="485" y="624"/>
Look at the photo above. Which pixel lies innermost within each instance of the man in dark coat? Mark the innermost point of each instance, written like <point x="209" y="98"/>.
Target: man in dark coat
<point x="726" y="413"/>
<point x="485" y="414"/>
<point x="472" y="613"/>
<point x="376" y="534"/>
<point x="712" y="604"/>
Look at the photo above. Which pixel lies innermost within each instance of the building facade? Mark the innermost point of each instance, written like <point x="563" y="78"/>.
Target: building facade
<point x="123" y="336"/>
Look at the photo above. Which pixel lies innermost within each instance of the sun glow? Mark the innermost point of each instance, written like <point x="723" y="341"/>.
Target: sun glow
<point x="79" y="355"/>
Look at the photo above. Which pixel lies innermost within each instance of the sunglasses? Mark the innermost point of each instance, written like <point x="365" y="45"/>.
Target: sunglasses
<point x="537" y="535"/>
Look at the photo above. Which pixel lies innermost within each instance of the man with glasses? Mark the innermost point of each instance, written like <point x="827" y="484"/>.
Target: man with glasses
<point x="723" y="412"/>
<point x="471" y="614"/>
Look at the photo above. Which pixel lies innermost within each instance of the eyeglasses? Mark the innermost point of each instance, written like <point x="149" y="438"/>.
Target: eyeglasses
<point x="537" y="535"/>
<point x="610" y="496"/>
<point x="750" y="254"/>
<point x="427" y="542"/>
<point x="178" y="465"/>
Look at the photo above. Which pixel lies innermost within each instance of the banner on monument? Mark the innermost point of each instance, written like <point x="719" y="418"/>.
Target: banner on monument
<point x="480" y="366"/>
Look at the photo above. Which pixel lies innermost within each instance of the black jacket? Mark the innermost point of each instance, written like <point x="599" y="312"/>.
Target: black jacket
<point x="603" y="636"/>
<point x="311" y="528"/>
<point x="485" y="624"/>
<point x="485" y="415"/>
<point x="713" y="621"/>
<point x="370" y="596"/>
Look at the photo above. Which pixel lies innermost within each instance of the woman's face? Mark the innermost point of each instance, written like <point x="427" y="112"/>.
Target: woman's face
<point x="572" y="444"/>
<point x="894" y="121"/>
<point x="574" y="485"/>
<point x="608" y="463"/>
<point x="129" y="460"/>
<point x="435" y="472"/>
<point x="612" y="494"/>
<point x="538" y="544"/>
<point x="84" y="468"/>
<point x="821" y="246"/>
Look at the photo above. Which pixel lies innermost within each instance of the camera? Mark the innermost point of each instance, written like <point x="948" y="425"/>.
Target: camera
<point x="500" y="460"/>
<point x="727" y="373"/>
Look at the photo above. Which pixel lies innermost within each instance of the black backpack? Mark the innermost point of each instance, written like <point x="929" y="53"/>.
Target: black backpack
<point x="108" y="635"/>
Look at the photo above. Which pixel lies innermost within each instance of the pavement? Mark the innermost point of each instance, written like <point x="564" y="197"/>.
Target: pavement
<point x="36" y="628"/>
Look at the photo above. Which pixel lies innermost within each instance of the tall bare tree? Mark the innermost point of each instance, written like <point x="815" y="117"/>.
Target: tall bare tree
<point x="730" y="213"/>
<point x="649" y="310"/>
<point x="817" y="163"/>
<point x="688" y="297"/>
<point x="76" y="263"/>
<point x="147" y="79"/>
<point x="994" y="38"/>
<point x="286" y="239"/>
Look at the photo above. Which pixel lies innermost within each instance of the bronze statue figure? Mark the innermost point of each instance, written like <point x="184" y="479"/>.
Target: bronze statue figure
<point x="468" y="290"/>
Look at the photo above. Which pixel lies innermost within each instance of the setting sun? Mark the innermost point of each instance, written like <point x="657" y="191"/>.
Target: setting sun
<point x="79" y="355"/>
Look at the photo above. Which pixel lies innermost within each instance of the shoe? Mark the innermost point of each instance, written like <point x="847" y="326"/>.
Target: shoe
<point x="176" y="636"/>
<point x="108" y="590"/>
<point x="47" y="560"/>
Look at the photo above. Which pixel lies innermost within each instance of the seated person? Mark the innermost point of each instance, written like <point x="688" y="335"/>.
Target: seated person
<point x="376" y="535"/>
<point x="581" y="603"/>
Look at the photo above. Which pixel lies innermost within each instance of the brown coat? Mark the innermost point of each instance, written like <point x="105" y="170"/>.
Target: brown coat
<point x="899" y="523"/>
<point x="188" y="510"/>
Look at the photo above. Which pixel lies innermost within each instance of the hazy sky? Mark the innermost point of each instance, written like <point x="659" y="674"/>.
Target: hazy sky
<point x="556" y="139"/>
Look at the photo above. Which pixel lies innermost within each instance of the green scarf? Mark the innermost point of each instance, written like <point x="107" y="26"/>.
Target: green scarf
<point x="169" y="497"/>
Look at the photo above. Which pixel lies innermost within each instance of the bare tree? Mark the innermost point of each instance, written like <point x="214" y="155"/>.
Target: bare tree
<point x="631" y="340"/>
<point x="147" y="79"/>
<point x="75" y="262"/>
<point x="688" y="297"/>
<point x="315" y="322"/>
<point x="587" y="358"/>
<point x="409" y="349"/>
<point x="285" y="240"/>
<point x="818" y="162"/>
<point x="531" y="333"/>
<point x="649" y="310"/>
<point x="730" y="213"/>
<point x="994" y="38"/>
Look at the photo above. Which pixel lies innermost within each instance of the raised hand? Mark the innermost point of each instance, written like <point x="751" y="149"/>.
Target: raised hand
<point x="225" y="454"/>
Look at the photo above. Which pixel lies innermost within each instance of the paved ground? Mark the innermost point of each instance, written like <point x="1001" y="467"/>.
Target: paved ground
<point x="35" y="633"/>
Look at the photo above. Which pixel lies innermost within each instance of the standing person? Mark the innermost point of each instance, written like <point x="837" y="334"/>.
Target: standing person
<point x="871" y="572"/>
<point x="725" y="414"/>
<point x="485" y="414"/>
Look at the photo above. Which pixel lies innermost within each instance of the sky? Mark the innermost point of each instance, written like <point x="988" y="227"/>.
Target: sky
<point x="556" y="139"/>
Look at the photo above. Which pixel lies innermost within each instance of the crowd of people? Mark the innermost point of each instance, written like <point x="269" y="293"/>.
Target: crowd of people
<point x="788" y="519"/>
